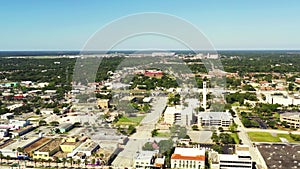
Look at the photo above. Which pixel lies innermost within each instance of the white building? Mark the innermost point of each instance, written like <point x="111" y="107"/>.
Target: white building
<point x="172" y="115"/>
<point x="88" y="147"/>
<point x="188" y="158"/>
<point x="218" y="119"/>
<point x="148" y="159"/>
<point x="242" y="159"/>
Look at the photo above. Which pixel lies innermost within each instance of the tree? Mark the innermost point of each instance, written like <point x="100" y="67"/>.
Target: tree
<point x="93" y="161"/>
<point x="54" y="123"/>
<point x="154" y="133"/>
<point x="42" y="123"/>
<point x="148" y="147"/>
<point x="56" y="110"/>
<point x="233" y="127"/>
<point x="64" y="161"/>
<point x="165" y="145"/>
<point x="78" y="162"/>
<point x="1" y="157"/>
<point x="195" y="128"/>
<point x="215" y="137"/>
<point x="221" y="129"/>
<point x="131" y="129"/>
<point x="38" y="111"/>
<point x="217" y="148"/>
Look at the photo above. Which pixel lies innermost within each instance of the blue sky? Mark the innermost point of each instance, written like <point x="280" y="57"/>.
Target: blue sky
<point x="68" y="24"/>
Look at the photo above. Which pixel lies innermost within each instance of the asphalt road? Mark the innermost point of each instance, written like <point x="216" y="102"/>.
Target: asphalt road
<point x="142" y="135"/>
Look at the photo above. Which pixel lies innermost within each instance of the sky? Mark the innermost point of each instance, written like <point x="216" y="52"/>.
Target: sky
<point x="230" y="24"/>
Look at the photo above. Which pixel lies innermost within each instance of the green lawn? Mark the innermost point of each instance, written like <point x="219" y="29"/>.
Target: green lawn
<point x="262" y="137"/>
<point x="236" y="137"/>
<point x="130" y="120"/>
<point x="163" y="134"/>
<point x="287" y="136"/>
<point x="267" y="137"/>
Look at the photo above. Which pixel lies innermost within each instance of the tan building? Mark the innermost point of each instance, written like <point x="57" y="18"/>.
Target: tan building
<point x="292" y="119"/>
<point x="46" y="151"/>
<point x="70" y="144"/>
<point x="103" y="103"/>
<point x="172" y="115"/>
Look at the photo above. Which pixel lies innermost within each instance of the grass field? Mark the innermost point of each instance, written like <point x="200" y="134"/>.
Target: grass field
<point x="130" y="120"/>
<point x="236" y="137"/>
<point x="163" y="134"/>
<point x="267" y="137"/>
<point x="263" y="137"/>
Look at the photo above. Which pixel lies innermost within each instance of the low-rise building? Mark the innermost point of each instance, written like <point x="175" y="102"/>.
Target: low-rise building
<point x="241" y="159"/>
<point x="292" y="119"/>
<point x="103" y="103"/>
<point x="148" y="159"/>
<point x="190" y="158"/>
<point x="218" y="119"/>
<point x="65" y="127"/>
<point x="46" y="151"/>
<point x="88" y="148"/>
<point x="70" y="144"/>
<point x="172" y="115"/>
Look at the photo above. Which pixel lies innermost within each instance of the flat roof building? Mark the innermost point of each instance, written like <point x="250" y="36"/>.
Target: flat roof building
<point x="172" y="115"/>
<point x="292" y="119"/>
<point x="222" y="119"/>
<point x="148" y="159"/>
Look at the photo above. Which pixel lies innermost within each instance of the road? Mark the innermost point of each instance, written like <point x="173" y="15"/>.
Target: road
<point x="255" y="154"/>
<point x="142" y="135"/>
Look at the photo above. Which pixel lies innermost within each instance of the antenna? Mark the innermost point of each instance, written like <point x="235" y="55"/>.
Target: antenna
<point x="204" y="96"/>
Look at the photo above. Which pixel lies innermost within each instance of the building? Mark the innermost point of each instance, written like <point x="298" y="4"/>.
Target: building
<point x="70" y="144"/>
<point x="172" y="115"/>
<point x="46" y="151"/>
<point x="292" y="119"/>
<point x="36" y="145"/>
<point x="241" y="159"/>
<point x="188" y="158"/>
<point x="88" y="148"/>
<point x="65" y="127"/>
<point x="218" y="119"/>
<point x="153" y="73"/>
<point x="103" y="103"/>
<point x="3" y="133"/>
<point x="148" y="159"/>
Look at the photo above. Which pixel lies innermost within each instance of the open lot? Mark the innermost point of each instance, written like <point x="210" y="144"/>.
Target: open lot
<point x="262" y="137"/>
<point x="268" y="137"/>
<point x="130" y="120"/>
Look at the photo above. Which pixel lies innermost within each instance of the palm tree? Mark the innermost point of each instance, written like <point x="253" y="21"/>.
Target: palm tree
<point x="64" y="161"/>
<point x="56" y="159"/>
<point x="1" y="157"/>
<point x="71" y="161"/>
<point x="8" y="158"/>
<point x="35" y="160"/>
<point x="78" y="162"/>
<point x="49" y="161"/>
<point x="85" y="162"/>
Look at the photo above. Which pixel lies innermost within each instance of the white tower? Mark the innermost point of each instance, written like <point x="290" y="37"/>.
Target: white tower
<point x="204" y="96"/>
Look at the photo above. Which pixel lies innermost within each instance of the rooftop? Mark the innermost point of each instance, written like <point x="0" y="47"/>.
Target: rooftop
<point x="87" y="146"/>
<point x="37" y="144"/>
<point x="226" y="116"/>
<point x="188" y="154"/>
<point x="50" y="145"/>
<point x="145" y="155"/>
<point x="295" y="115"/>
<point x="280" y="155"/>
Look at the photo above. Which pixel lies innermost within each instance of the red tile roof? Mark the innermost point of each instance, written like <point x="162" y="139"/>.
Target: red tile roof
<point x="180" y="157"/>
